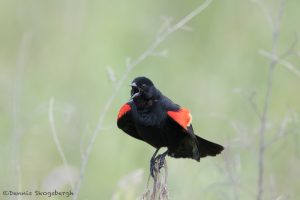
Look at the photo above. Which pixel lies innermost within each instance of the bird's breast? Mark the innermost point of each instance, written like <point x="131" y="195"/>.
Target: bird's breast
<point x="150" y="119"/>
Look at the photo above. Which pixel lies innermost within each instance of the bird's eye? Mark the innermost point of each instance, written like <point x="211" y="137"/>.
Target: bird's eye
<point x="144" y="86"/>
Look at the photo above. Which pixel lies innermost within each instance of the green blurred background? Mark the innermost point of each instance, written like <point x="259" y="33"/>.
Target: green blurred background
<point x="61" y="49"/>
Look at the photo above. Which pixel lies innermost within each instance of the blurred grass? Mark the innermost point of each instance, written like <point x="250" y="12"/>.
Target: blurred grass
<point x="73" y="42"/>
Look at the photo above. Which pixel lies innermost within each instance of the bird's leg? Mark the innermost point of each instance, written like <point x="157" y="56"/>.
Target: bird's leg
<point x="161" y="159"/>
<point x="152" y="162"/>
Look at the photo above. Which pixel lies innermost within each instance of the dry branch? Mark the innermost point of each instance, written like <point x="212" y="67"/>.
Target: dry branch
<point x="275" y="26"/>
<point x="159" y="189"/>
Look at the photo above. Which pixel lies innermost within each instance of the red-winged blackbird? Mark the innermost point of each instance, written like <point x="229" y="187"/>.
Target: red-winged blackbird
<point x="154" y="118"/>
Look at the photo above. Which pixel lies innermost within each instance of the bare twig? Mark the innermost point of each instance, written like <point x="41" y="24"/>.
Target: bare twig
<point x="291" y="50"/>
<point x="130" y="65"/>
<point x="56" y="141"/>
<point x="280" y="61"/>
<point x="250" y="97"/>
<point x="166" y="23"/>
<point x="284" y="129"/>
<point x="263" y="120"/>
<point x="254" y="105"/>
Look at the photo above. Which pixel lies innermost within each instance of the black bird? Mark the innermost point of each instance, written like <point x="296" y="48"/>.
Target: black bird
<point x="152" y="117"/>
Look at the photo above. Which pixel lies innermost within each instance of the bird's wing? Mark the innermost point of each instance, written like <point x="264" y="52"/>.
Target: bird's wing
<point x="182" y="117"/>
<point x="125" y="122"/>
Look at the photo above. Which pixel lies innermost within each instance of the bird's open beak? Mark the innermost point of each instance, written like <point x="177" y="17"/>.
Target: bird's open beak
<point x="136" y="94"/>
<point x="133" y="85"/>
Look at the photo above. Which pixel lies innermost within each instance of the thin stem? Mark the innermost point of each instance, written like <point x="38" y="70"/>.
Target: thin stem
<point x="57" y="143"/>
<point x="263" y="120"/>
<point x="17" y="131"/>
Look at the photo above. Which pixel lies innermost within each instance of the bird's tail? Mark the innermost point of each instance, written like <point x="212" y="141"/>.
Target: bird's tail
<point x="207" y="148"/>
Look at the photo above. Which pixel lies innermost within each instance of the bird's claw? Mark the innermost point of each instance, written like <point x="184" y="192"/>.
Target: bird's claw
<point x="160" y="160"/>
<point x="152" y="167"/>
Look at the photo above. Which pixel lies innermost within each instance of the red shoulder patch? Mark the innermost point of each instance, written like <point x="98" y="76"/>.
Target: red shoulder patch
<point x="124" y="109"/>
<point x="183" y="117"/>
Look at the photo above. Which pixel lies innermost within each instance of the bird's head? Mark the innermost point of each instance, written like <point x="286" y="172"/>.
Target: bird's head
<point x="142" y="87"/>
